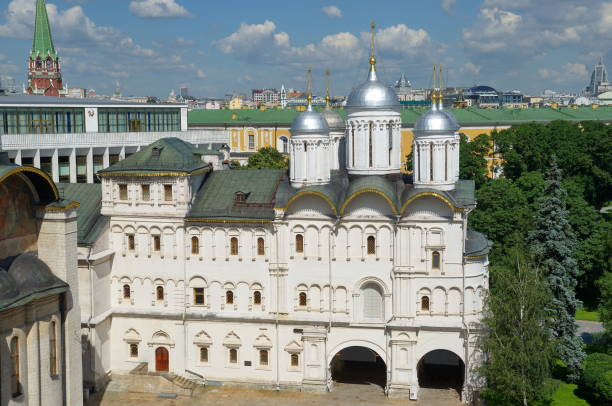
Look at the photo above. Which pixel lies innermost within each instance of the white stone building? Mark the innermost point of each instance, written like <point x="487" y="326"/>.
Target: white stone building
<point x="40" y="341"/>
<point x="252" y="277"/>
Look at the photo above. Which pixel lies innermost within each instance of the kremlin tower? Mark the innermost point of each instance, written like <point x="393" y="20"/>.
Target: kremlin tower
<point x="44" y="72"/>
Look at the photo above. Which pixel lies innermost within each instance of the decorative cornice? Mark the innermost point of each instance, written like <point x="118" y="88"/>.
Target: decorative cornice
<point x="368" y="190"/>
<point x="308" y="192"/>
<point x="33" y="170"/>
<point x="153" y="174"/>
<point x="204" y="220"/>
<point x="437" y="195"/>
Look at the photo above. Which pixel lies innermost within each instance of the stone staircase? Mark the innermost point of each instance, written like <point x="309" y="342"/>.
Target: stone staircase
<point x="185" y="385"/>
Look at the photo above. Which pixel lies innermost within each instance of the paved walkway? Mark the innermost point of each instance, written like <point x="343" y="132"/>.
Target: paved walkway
<point x="343" y="394"/>
<point x="586" y="329"/>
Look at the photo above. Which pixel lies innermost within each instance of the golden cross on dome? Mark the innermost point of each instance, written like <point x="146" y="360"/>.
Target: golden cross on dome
<point x="372" y="57"/>
<point x="327" y="86"/>
<point x="309" y="81"/>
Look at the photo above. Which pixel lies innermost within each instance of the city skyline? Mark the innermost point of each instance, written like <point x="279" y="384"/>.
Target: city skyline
<point x="152" y="46"/>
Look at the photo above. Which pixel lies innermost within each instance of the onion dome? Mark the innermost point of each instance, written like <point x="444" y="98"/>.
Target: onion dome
<point x="333" y="119"/>
<point x="8" y="287"/>
<point x="309" y="123"/>
<point x="29" y="272"/>
<point x="436" y="121"/>
<point x="372" y="95"/>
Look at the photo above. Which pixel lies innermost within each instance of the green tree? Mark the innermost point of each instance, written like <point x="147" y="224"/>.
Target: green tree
<point x="472" y="158"/>
<point x="605" y="302"/>
<point x="502" y="215"/>
<point x="552" y="243"/>
<point x="267" y="157"/>
<point x="518" y="346"/>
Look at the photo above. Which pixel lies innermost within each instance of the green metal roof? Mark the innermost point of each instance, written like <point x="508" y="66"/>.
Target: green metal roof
<point x="89" y="197"/>
<point x="467" y="116"/>
<point x="476" y="244"/>
<point x="42" y="44"/>
<point x="216" y="199"/>
<point x="376" y="184"/>
<point x="163" y="155"/>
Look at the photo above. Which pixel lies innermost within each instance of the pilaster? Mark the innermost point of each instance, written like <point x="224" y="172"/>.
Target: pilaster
<point x="315" y="367"/>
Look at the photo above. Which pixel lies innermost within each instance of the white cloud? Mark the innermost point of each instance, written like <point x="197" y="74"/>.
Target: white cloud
<point x="471" y="68"/>
<point x="447" y="5"/>
<point x="158" y="9"/>
<point x="332" y="11"/>
<point x="568" y="73"/>
<point x="247" y="38"/>
<point x="402" y="40"/>
<point x="200" y="74"/>
<point x="605" y="23"/>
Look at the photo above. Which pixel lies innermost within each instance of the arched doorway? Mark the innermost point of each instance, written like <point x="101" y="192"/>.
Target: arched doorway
<point x="441" y="369"/>
<point x="359" y="366"/>
<point x="162" y="359"/>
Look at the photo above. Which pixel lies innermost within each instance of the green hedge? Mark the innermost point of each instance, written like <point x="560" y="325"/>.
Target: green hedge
<point x="598" y="376"/>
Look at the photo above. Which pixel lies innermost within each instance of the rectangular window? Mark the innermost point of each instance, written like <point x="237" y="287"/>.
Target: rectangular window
<point x="203" y="354"/>
<point x="198" y="296"/>
<point x="145" y="192"/>
<point x="263" y="357"/>
<point x="167" y="193"/>
<point x="295" y="360"/>
<point x="233" y="356"/>
<point x="15" y="378"/>
<point x="81" y="162"/>
<point x="64" y="168"/>
<point x="251" y="142"/>
<point x="123" y="191"/>
<point x="156" y="243"/>
<point x="53" y="348"/>
<point x="133" y="350"/>
<point x="131" y="243"/>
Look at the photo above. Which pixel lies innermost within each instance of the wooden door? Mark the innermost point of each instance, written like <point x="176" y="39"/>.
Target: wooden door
<point x="161" y="359"/>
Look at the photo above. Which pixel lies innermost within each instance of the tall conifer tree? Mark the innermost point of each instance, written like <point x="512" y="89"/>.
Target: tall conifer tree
<point x="552" y="243"/>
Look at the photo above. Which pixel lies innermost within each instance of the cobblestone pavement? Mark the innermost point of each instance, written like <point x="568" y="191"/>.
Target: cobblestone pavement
<point x="343" y="394"/>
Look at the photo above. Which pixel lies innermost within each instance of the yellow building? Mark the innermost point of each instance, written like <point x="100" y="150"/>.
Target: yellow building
<point x="235" y="103"/>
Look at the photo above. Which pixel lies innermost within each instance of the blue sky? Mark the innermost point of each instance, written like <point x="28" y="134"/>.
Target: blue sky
<point x="218" y="47"/>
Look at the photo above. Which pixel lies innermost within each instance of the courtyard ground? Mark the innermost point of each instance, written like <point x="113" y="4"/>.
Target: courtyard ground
<point x="343" y="394"/>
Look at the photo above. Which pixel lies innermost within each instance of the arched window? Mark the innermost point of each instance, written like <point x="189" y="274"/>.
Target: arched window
<point x="15" y="370"/>
<point x="126" y="291"/>
<point x="435" y="260"/>
<point x="233" y="356"/>
<point x="131" y="243"/>
<point x="431" y="162"/>
<point x="159" y="293"/>
<point x="133" y="350"/>
<point x="53" y="348"/>
<point x="353" y="146"/>
<point x="156" y="243"/>
<point x="257" y="297"/>
<point x="302" y="299"/>
<point x="371" y="245"/>
<point x="295" y="360"/>
<point x="234" y="246"/>
<point x="425" y="304"/>
<point x="195" y="245"/>
<point x="372" y="302"/>
<point x="229" y="297"/>
<point x="299" y="243"/>
<point x="203" y="354"/>
<point x="370" y="136"/>
<point x="446" y="161"/>
<point x="263" y="357"/>
<point x="261" y="246"/>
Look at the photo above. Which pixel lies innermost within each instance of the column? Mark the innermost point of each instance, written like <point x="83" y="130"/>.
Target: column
<point x="402" y="382"/>
<point x="122" y="154"/>
<point x="55" y="166"/>
<point x="18" y="157"/>
<point x="315" y="365"/>
<point x="106" y="158"/>
<point x="37" y="158"/>
<point x="90" y="167"/>
<point x="73" y="168"/>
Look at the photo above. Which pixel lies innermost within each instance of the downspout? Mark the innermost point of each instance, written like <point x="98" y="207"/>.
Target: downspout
<point x="277" y="310"/>
<point x="63" y="349"/>
<point x="184" y="315"/>
<point x="333" y="233"/>
<point x="92" y="365"/>
<point x="465" y="325"/>
<point x="39" y="360"/>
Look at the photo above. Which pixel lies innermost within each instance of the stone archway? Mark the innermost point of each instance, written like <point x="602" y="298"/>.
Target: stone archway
<point x="358" y="365"/>
<point x="441" y="369"/>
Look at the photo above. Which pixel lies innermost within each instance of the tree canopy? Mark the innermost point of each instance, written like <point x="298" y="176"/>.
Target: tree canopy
<point x="267" y="158"/>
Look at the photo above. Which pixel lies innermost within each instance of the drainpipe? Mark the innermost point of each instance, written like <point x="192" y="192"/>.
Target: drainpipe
<point x="333" y="233"/>
<point x="465" y="325"/>
<point x="92" y="365"/>
<point x="184" y="315"/>
<point x="277" y="311"/>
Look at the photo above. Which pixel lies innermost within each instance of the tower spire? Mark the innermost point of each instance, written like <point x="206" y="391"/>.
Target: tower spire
<point x="309" y="84"/>
<point x="42" y="44"/>
<point x="440" y="98"/>
<point x="327" y="86"/>
<point x="434" y="90"/>
<point x="372" y="51"/>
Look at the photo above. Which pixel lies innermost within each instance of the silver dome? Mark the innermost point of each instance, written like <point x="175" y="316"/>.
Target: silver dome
<point x="309" y="123"/>
<point x="333" y="119"/>
<point x="436" y="121"/>
<point x="372" y="95"/>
